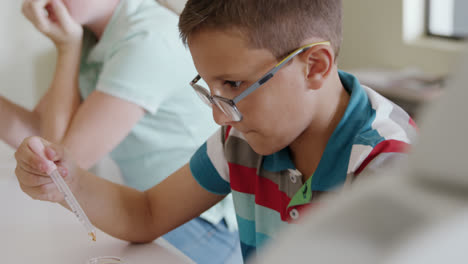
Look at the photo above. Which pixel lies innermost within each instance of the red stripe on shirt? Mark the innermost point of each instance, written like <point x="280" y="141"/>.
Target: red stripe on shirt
<point x="386" y="146"/>
<point x="267" y="194"/>
<point x="412" y="123"/>
<point x="228" y="129"/>
<point x="303" y="209"/>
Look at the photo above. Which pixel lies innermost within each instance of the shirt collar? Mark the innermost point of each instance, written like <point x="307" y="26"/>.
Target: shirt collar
<point x="332" y="169"/>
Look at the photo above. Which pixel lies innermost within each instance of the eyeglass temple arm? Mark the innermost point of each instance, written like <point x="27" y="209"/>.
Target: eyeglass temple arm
<point x="268" y="75"/>
<point x="195" y="80"/>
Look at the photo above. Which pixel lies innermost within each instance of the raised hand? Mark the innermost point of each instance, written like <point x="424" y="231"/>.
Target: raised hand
<point x="52" y="18"/>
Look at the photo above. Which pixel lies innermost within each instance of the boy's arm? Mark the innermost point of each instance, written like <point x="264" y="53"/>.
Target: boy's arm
<point x="120" y="211"/>
<point x="142" y="217"/>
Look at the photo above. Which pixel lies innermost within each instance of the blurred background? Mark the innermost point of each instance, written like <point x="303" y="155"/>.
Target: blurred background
<point x="404" y="49"/>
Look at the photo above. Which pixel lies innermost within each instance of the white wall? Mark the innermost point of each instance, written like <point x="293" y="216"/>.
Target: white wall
<point x="373" y="36"/>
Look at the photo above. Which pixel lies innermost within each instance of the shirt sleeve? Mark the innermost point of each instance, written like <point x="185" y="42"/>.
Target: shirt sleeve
<point x="209" y="166"/>
<point x="384" y="156"/>
<point x="141" y="69"/>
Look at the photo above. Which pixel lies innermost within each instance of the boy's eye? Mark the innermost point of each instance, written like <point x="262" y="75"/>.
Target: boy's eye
<point x="233" y="84"/>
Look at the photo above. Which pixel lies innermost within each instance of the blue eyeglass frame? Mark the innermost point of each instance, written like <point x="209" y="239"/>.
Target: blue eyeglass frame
<point x="214" y="99"/>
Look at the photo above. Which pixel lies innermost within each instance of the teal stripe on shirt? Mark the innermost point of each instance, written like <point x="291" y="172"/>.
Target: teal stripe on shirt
<point x="332" y="169"/>
<point x="248" y="210"/>
<point x="246" y="251"/>
<point x="246" y="229"/>
<point x="205" y="173"/>
<point x="278" y="161"/>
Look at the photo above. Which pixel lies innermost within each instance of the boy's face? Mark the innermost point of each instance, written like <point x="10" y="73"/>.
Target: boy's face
<point x="276" y="113"/>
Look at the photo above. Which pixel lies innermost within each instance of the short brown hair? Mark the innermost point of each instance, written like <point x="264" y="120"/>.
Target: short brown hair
<point x="277" y="25"/>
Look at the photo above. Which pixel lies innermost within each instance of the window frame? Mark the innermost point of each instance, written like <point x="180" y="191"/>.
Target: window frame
<point x="427" y="29"/>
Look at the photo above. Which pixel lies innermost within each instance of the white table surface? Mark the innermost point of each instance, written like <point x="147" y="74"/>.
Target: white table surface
<point x="37" y="232"/>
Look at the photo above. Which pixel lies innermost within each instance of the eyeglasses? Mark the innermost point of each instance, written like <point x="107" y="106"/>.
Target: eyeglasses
<point x="228" y="106"/>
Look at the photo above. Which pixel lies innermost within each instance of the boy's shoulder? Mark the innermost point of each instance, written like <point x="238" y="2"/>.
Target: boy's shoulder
<point x="389" y="120"/>
<point x="386" y="136"/>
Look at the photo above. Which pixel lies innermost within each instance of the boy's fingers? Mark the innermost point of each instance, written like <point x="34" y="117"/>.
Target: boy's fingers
<point x="27" y="168"/>
<point x="31" y="179"/>
<point x="26" y="157"/>
<point x="32" y="167"/>
<point x="51" y="154"/>
<point x="54" y="152"/>
<point x="45" y="192"/>
<point x="37" y="146"/>
<point x="38" y="156"/>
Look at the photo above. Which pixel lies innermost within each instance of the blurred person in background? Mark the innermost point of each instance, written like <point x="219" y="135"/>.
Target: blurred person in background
<point x="120" y="88"/>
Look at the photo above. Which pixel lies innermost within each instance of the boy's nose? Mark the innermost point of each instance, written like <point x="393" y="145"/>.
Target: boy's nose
<point x="219" y="117"/>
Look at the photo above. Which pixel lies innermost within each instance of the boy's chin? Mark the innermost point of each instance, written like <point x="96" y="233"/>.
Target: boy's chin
<point x="263" y="148"/>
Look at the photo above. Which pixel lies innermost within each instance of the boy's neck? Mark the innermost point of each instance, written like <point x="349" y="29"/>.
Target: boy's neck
<point x="98" y="25"/>
<point x="308" y="148"/>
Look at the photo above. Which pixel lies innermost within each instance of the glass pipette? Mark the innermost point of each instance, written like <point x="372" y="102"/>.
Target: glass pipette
<point x="38" y="147"/>
<point x="73" y="203"/>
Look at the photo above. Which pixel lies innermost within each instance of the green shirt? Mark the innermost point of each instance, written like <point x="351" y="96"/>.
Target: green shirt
<point x="141" y="59"/>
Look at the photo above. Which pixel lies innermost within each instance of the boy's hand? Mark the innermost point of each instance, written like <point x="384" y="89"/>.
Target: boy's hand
<point x="35" y="159"/>
<point x="52" y="18"/>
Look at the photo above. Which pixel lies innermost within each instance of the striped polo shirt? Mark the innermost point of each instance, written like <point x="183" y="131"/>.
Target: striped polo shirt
<point x="269" y="193"/>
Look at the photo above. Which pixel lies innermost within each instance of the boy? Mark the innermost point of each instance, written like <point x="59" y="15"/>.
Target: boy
<point x="293" y="126"/>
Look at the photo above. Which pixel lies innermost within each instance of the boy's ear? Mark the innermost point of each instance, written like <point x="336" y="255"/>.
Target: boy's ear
<point x="319" y="62"/>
